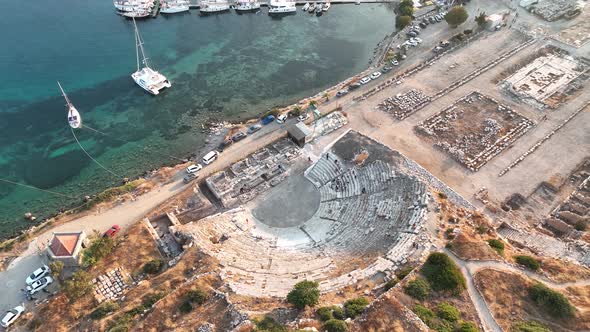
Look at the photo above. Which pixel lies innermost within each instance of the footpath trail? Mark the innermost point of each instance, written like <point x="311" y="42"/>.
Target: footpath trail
<point x="469" y="268"/>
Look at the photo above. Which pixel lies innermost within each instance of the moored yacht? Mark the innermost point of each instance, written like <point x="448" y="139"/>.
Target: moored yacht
<point x="147" y="78"/>
<point x="137" y="14"/>
<point x="208" y="7"/>
<point x="326" y="6"/>
<point x="305" y="7"/>
<point x="311" y="8"/>
<point x="318" y="10"/>
<point x="281" y="7"/>
<point x="174" y="6"/>
<point x="247" y="5"/>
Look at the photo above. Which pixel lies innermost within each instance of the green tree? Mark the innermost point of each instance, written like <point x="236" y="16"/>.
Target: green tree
<point x="390" y="284"/>
<point x="78" y="285"/>
<point x="425" y="314"/>
<point x="56" y="268"/>
<point x="456" y="16"/>
<point x="552" y="302"/>
<point x="154" y="266"/>
<point x="448" y="312"/>
<point x="406" y="8"/>
<point x="304" y="293"/>
<point x="402" y="21"/>
<point x="442" y="273"/>
<point x="404" y="271"/>
<point x="335" y="325"/>
<point x="418" y="289"/>
<point x="528" y="326"/>
<point x="296" y="111"/>
<point x="355" y="307"/>
<point x="185" y="307"/>
<point x="481" y="19"/>
<point x="528" y="262"/>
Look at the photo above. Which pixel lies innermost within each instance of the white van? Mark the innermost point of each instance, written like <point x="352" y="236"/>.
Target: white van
<point x="210" y="157"/>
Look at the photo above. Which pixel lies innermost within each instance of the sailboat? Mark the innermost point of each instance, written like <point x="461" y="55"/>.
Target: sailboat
<point x="147" y="78"/>
<point x="74" y="118"/>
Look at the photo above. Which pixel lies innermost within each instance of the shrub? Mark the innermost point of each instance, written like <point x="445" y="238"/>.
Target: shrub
<point x="154" y="266"/>
<point x="78" y="285"/>
<point x="268" y="324"/>
<point x="448" y="312"/>
<point x="580" y="226"/>
<point x="418" y="289"/>
<point x="554" y="303"/>
<point x="185" y="307"/>
<point x="324" y="313"/>
<point x="390" y="284"/>
<point x="120" y="324"/>
<point x="425" y="314"/>
<point x="304" y="293"/>
<point x="497" y="245"/>
<point x="98" y="249"/>
<point x="404" y="271"/>
<point x="197" y="296"/>
<point x="103" y="310"/>
<point x="467" y="327"/>
<point x="355" y="307"/>
<point x="402" y="21"/>
<point x="334" y="325"/>
<point x="481" y="19"/>
<point x="56" y="268"/>
<point x="481" y="229"/>
<point x="338" y="313"/>
<point x="456" y="16"/>
<point x="529" y="326"/>
<point x="442" y="273"/>
<point x="528" y="262"/>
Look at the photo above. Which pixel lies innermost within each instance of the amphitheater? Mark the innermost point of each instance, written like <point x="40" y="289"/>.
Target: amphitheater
<point x="348" y="215"/>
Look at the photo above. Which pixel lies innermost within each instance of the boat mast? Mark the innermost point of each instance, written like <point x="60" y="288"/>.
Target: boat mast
<point x="65" y="96"/>
<point x="139" y="47"/>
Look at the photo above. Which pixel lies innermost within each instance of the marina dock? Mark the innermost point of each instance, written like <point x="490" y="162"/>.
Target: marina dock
<point x="195" y="4"/>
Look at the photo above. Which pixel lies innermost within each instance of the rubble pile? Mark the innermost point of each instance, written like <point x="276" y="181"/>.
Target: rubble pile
<point x="111" y="285"/>
<point x="402" y="105"/>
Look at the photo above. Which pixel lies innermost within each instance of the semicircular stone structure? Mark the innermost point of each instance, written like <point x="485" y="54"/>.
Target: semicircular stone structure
<point x="355" y="222"/>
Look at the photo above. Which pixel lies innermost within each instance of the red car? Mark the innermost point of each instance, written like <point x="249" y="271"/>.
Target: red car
<point x="112" y="231"/>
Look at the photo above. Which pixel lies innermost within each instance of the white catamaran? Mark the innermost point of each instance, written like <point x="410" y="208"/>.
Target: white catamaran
<point x="74" y="118"/>
<point x="147" y="78"/>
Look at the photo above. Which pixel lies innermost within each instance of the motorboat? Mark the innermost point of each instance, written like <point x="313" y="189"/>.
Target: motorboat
<point x="318" y="10"/>
<point x="281" y="7"/>
<point x="136" y="14"/>
<point x="326" y="6"/>
<point x="247" y="5"/>
<point x="173" y="7"/>
<point x="305" y="7"/>
<point x="209" y="7"/>
<point x="311" y="8"/>
<point x="147" y="78"/>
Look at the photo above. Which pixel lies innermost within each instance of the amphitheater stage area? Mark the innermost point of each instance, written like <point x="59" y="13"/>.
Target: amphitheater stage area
<point x="355" y="212"/>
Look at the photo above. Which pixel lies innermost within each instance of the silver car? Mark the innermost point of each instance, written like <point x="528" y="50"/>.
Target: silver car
<point x="37" y="274"/>
<point x="39" y="285"/>
<point x="12" y="315"/>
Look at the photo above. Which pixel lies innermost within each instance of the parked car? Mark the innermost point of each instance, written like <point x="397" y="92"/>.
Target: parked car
<point x="239" y="136"/>
<point x="37" y="274"/>
<point x="194" y="168"/>
<point x="303" y="117"/>
<point x="437" y="49"/>
<point x="268" y="119"/>
<point x="422" y="25"/>
<point x="411" y="33"/>
<point x="438" y="18"/>
<point x="254" y="129"/>
<point x="375" y="75"/>
<point x="12" y="315"/>
<point x="355" y="85"/>
<point x="425" y="21"/>
<point x="282" y="118"/>
<point x="386" y="69"/>
<point x="210" y="157"/>
<point x="394" y="63"/>
<point x="432" y="20"/>
<point x="189" y="177"/>
<point x="39" y="285"/>
<point x="418" y="40"/>
<point x="112" y="232"/>
<point x="365" y="80"/>
<point x="341" y="92"/>
<point x="223" y="145"/>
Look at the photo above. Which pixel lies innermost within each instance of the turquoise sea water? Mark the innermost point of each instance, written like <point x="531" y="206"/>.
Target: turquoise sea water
<point x="225" y="66"/>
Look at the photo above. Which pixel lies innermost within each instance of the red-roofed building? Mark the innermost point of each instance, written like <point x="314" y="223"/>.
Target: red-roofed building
<point x="66" y="247"/>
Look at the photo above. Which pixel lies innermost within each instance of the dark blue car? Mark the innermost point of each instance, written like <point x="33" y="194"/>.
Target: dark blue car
<point x="268" y="119"/>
